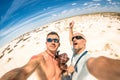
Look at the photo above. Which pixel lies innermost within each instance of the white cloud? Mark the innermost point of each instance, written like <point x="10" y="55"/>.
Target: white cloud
<point x="109" y="0"/>
<point x="6" y="31"/>
<point x="97" y="0"/>
<point x="91" y="4"/>
<point x="15" y="6"/>
<point x="88" y="3"/>
<point x="57" y="13"/>
<point x="113" y="2"/>
<point x="74" y="4"/>
<point x="54" y="14"/>
<point x="65" y="11"/>
<point x="97" y="4"/>
<point x="24" y="22"/>
<point x="85" y="4"/>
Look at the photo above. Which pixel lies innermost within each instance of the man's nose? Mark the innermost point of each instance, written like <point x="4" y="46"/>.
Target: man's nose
<point x="74" y="39"/>
<point x="53" y="41"/>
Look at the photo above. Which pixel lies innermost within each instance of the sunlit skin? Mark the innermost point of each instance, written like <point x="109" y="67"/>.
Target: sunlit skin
<point x="102" y="68"/>
<point x="52" y="46"/>
<point x="79" y="44"/>
<point x="44" y="64"/>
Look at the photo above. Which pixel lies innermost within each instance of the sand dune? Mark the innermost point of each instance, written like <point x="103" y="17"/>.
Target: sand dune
<point x="102" y="31"/>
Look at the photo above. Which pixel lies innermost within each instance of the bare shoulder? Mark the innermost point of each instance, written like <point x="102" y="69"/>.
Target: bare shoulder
<point x="34" y="61"/>
<point x="38" y="57"/>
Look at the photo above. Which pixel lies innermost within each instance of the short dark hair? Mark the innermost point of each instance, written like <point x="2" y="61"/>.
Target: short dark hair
<point x="53" y="33"/>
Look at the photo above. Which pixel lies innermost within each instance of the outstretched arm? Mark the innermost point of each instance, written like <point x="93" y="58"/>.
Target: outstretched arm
<point x="21" y="73"/>
<point x="15" y="74"/>
<point x="71" y="25"/>
<point x="104" y="68"/>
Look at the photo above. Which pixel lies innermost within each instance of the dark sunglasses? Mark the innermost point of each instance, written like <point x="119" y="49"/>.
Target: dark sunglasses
<point x="77" y="37"/>
<point x="55" y="40"/>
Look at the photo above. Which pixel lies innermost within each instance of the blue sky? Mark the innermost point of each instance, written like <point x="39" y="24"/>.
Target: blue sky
<point x="20" y="16"/>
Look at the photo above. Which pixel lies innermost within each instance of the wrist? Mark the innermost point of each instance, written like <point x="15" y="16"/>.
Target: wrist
<point x="70" y="27"/>
<point x="68" y="73"/>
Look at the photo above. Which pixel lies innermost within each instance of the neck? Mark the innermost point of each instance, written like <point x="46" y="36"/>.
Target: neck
<point x="79" y="51"/>
<point x="52" y="54"/>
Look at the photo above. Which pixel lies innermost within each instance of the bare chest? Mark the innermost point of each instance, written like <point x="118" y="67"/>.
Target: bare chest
<point x="52" y="66"/>
<point x="51" y="69"/>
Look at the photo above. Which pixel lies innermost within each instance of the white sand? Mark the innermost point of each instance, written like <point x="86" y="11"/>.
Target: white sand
<point x="101" y="30"/>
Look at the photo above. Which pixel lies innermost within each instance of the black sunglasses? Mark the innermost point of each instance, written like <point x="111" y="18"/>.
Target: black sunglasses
<point x="55" y="40"/>
<point x="77" y="37"/>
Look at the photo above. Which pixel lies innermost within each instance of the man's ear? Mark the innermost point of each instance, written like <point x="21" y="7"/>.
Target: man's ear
<point x="84" y="42"/>
<point x="59" y="45"/>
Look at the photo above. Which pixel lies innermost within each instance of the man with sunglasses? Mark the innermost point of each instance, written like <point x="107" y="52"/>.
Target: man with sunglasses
<point x="44" y="64"/>
<point x="85" y="66"/>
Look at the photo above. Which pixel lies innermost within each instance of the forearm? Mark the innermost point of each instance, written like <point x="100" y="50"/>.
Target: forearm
<point x="15" y="74"/>
<point x="71" y="25"/>
<point x="105" y="68"/>
<point x="70" y="35"/>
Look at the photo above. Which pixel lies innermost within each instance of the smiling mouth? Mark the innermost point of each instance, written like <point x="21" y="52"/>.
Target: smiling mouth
<point x="52" y="46"/>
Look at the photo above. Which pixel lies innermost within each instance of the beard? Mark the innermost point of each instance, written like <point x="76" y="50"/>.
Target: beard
<point x="77" y="50"/>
